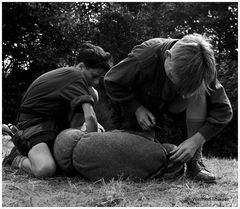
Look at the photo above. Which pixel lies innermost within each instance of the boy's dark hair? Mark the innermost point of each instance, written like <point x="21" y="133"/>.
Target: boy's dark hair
<point x="94" y="57"/>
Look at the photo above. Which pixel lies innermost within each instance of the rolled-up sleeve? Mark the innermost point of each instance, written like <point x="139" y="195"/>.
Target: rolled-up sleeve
<point x="120" y="82"/>
<point x="76" y="94"/>
<point x="219" y="112"/>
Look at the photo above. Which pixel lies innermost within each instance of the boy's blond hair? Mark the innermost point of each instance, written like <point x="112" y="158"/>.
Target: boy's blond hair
<point x="194" y="64"/>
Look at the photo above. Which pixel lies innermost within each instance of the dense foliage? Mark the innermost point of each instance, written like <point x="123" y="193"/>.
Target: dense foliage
<point x="38" y="37"/>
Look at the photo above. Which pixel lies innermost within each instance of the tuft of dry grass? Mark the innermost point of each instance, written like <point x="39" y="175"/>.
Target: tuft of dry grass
<point x="22" y="190"/>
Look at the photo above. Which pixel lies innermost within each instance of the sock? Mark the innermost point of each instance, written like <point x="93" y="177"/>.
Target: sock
<point x="21" y="161"/>
<point x="192" y="128"/>
<point x="17" y="162"/>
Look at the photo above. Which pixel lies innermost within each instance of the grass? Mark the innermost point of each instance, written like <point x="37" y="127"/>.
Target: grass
<point x="22" y="190"/>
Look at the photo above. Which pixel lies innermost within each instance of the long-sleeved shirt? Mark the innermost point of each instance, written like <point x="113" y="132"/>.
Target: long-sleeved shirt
<point x="140" y="79"/>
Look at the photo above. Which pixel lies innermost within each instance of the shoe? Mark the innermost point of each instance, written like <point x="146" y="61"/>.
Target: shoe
<point x="6" y="130"/>
<point x="15" y="133"/>
<point x="197" y="171"/>
<point x="17" y="161"/>
<point x="9" y="158"/>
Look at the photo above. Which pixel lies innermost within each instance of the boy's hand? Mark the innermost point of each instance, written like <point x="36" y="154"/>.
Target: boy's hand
<point x="186" y="150"/>
<point x="145" y="118"/>
<point x="94" y="94"/>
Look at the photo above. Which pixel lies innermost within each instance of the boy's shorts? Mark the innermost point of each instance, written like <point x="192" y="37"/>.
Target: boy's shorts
<point x="45" y="131"/>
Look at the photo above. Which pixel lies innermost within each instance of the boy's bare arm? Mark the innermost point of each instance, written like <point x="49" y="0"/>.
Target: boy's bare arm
<point x="90" y="117"/>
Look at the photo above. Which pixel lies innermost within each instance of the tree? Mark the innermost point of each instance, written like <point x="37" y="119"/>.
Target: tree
<point x="40" y="36"/>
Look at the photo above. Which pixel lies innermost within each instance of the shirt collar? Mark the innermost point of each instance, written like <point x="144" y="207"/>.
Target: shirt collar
<point x="168" y="44"/>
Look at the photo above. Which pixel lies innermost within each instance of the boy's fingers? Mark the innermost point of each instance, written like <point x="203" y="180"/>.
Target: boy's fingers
<point x="152" y="118"/>
<point x="143" y="125"/>
<point x="175" y="156"/>
<point x="181" y="158"/>
<point x="173" y="151"/>
<point x="148" y="123"/>
<point x="185" y="159"/>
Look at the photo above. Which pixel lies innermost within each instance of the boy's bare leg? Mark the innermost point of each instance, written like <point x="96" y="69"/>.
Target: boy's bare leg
<point x="40" y="161"/>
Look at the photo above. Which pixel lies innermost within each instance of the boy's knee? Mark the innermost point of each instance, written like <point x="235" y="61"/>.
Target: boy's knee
<point x="45" y="170"/>
<point x="197" y="107"/>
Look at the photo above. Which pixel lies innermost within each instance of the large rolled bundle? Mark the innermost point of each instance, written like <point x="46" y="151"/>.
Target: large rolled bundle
<point x="64" y="144"/>
<point x="112" y="155"/>
<point x="63" y="148"/>
<point x="117" y="153"/>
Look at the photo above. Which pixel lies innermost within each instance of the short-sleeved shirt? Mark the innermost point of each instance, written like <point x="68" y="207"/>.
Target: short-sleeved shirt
<point x="54" y="94"/>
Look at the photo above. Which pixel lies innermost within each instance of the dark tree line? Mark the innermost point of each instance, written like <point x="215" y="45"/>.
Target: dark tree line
<point x="38" y="37"/>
